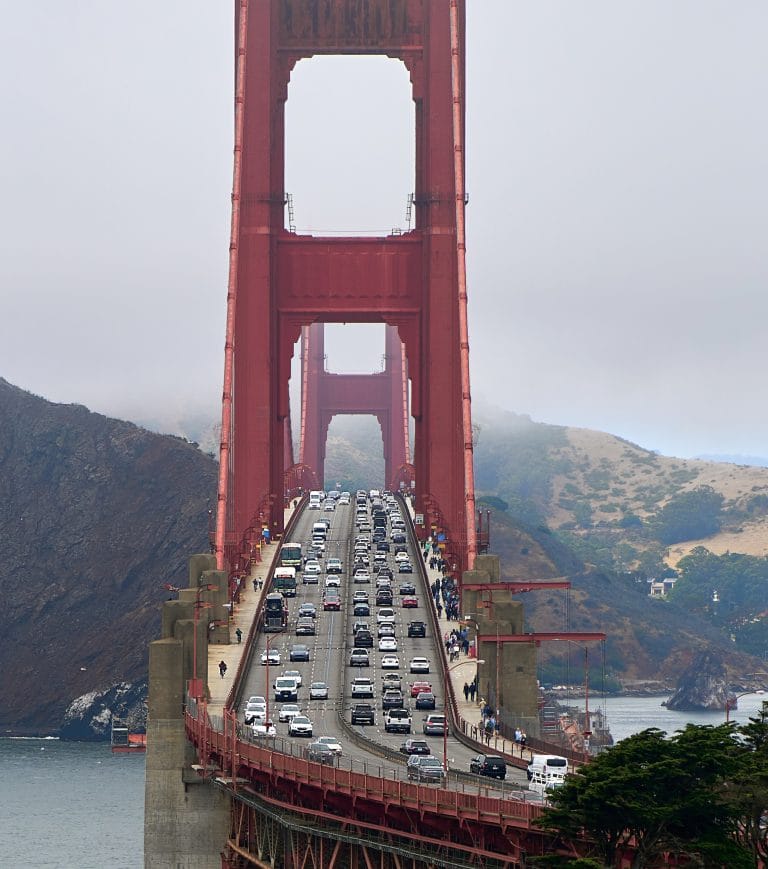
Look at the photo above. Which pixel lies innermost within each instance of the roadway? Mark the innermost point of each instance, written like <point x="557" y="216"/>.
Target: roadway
<point x="329" y="662"/>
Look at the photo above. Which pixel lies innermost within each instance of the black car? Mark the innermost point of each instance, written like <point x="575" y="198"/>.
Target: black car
<point x="363" y="640"/>
<point x="320" y="753"/>
<point x="384" y="598"/>
<point x="398" y="537"/>
<point x="361" y="609"/>
<point x="382" y="546"/>
<point x="406" y="588"/>
<point x="405" y="567"/>
<point x="417" y="629"/>
<point x="490" y="765"/>
<point x="425" y="700"/>
<point x="299" y="652"/>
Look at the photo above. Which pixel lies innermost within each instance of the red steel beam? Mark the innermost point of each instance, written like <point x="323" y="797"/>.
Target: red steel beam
<point x="574" y="636"/>
<point x="516" y="587"/>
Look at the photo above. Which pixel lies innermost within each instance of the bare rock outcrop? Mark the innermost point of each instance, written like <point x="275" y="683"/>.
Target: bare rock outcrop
<point x="89" y="718"/>
<point x="703" y="686"/>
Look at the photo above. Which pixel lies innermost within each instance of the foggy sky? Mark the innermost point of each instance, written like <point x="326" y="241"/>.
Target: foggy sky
<point x="617" y="173"/>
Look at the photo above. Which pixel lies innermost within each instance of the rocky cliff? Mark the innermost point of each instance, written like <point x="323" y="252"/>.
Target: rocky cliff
<point x="95" y="515"/>
<point x="703" y="686"/>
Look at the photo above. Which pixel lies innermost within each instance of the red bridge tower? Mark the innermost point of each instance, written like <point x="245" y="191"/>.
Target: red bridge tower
<point x="280" y="282"/>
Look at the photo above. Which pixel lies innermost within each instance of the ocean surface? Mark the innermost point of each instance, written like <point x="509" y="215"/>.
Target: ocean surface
<point x="77" y="806"/>
<point x="70" y="805"/>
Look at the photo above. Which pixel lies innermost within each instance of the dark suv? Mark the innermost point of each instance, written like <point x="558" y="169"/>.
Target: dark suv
<point x="489" y="764"/>
<point x="363" y="713"/>
<point x="363" y="640"/>
<point x="417" y="629"/>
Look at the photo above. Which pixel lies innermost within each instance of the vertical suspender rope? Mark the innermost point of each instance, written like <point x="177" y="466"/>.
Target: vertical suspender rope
<point x="229" y="346"/>
<point x="466" y="408"/>
<point x="404" y="371"/>
<point x="305" y="363"/>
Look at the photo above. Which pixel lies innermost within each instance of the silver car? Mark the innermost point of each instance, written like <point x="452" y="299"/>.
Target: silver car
<point x="318" y="691"/>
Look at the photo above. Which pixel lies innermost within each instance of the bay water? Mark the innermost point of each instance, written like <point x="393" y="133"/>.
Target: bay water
<point x="69" y="805"/>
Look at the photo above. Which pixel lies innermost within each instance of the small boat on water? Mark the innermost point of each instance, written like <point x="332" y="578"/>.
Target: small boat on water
<point x="124" y="742"/>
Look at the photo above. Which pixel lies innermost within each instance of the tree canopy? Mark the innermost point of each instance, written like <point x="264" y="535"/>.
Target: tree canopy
<point x="688" y="516"/>
<point x="701" y="794"/>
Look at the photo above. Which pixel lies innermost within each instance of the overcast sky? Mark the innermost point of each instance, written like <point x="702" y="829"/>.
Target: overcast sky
<point x="618" y="217"/>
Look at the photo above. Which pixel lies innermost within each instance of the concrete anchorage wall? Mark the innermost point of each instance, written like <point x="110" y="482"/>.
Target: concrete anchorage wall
<point x="507" y="678"/>
<point x="186" y="820"/>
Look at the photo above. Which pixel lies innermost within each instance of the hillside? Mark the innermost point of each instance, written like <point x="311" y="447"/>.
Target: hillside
<point x="648" y="639"/>
<point x="96" y="514"/>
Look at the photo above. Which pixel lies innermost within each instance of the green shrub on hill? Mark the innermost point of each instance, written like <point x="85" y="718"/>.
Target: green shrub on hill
<point x="688" y="516"/>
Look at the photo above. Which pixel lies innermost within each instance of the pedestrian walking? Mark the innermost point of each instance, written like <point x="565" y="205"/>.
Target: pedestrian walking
<point x="255" y="584"/>
<point x="222" y="668"/>
<point x="239" y="635"/>
<point x="472" y="690"/>
<point x="466" y="692"/>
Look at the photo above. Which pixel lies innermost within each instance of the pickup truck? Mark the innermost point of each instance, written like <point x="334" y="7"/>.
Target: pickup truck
<point x="397" y="721"/>
<point x="362" y="687"/>
<point x="363" y="713"/>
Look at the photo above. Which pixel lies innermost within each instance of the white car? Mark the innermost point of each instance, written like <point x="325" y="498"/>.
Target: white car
<point x="329" y="506"/>
<point x="288" y="711"/>
<point x="332" y="581"/>
<point x="264" y="730"/>
<point x="402" y="556"/>
<point x="292" y="674"/>
<point x="390" y="662"/>
<point x="312" y="567"/>
<point x="361" y="576"/>
<point x="257" y="698"/>
<point x="255" y="712"/>
<point x="385" y="614"/>
<point x="387" y="644"/>
<point x="334" y="565"/>
<point x="318" y="691"/>
<point x="300" y="725"/>
<point x="271" y="657"/>
<point x="419" y="665"/>
<point x="383" y="582"/>
<point x="332" y="743"/>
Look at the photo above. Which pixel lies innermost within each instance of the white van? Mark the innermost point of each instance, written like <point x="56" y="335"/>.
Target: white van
<point x="547" y="771"/>
<point x="319" y="529"/>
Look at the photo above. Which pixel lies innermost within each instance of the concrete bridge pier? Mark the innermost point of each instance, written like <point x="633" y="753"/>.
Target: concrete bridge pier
<point x="507" y="676"/>
<point x="186" y="818"/>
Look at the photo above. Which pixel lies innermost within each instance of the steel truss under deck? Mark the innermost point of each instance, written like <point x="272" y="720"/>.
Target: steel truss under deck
<point x="268" y="834"/>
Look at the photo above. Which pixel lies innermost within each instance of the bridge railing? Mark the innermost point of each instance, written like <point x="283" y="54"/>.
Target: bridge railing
<point x="222" y="739"/>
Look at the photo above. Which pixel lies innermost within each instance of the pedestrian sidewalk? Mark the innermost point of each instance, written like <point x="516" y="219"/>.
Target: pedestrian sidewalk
<point x="465" y="671"/>
<point x="242" y="617"/>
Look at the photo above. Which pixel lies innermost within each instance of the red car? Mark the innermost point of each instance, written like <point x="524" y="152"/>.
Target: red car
<point x="418" y="687"/>
<point x="410" y="602"/>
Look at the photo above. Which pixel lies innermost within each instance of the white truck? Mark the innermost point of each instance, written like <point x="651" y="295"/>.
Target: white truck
<point x="546" y="771"/>
<point x="362" y="687"/>
<point x="397" y="721"/>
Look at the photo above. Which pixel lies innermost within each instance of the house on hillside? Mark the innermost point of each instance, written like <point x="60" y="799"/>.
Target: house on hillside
<point x="662" y="587"/>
